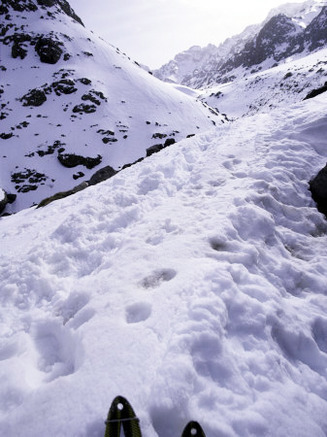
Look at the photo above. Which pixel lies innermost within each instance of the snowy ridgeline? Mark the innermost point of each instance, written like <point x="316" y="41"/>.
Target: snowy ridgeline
<point x="193" y="283"/>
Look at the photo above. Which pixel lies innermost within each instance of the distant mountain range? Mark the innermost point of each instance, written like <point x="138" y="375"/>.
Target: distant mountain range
<point x="292" y="30"/>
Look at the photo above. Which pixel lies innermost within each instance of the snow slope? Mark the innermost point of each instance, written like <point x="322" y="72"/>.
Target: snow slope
<point x="193" y="283"/>
<point x="93" y="102"/>
<point x="261" y="91"/>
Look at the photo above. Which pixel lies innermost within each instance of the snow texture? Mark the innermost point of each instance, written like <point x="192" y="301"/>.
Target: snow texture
<point x="193" y="283"/>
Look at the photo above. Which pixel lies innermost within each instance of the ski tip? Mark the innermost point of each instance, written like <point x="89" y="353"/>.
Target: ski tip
<point x="122" y="415"/>
<point x="193" y="429"/>
<point x="120" y="408"/>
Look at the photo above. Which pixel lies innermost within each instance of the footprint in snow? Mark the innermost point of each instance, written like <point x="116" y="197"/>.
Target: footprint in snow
<point x="138" y="312"/>
<point x="73" y="310"/>
<point x="157" y="277"/>
<point x="59" y="350"/>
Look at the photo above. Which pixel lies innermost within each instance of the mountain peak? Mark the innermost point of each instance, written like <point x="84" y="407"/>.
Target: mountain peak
<point x="51" y="7"/>
<point x="288" y="30"/>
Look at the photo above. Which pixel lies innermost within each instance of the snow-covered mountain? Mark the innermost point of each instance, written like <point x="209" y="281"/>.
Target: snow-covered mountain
<point x="193" y="283"/>
<point x="289" y="30"/>
<point x="287" y="83"/>
<point x="72" y="104"/>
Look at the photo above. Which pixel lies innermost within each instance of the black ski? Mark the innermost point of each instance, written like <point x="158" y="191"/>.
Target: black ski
<point x="121" y="415"/>
<point x="193" y="429"/>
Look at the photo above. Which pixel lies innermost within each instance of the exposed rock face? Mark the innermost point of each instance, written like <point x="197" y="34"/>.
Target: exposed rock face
<point x="316" y="92"/>
<point x="157" y="147"/>
<point x="316" y="32"/>
<point x="48" y="50"/>
<point x="71" y="160"/>
<point x="258" y="47"/>
<point x="102" y="175"/>
<point x="318" y="188"/>
<point x="19" y="49"/>
<point x="63" y="194"/>
<point x="35" y="97"/>
<point x="32" y="6"/>
<point x="3" y="200"/>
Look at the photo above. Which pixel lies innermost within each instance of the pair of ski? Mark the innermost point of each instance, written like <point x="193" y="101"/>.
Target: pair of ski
<point x="121" y="415"/>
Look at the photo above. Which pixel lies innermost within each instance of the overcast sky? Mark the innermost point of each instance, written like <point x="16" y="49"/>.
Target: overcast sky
<point x="154" y="31"/>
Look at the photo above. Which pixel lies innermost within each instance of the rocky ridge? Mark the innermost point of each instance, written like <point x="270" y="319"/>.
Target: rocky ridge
<point x="290" y="30"/>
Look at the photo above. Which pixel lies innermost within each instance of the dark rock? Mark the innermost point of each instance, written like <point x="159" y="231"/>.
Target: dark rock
<point x="48" y="50"/>
<point x="26" y="188"/>
<point x="318" y="188"/>
<point x="132" y="163"/>
<point x="85" y="81"/>
<point x="51" y="149"/>
<point x="64" y="86"/>
<point x="94" y="96"/>
<point x="78" y="175"/>
<point x="17" y="51"/>
<point x="11" y="197"/>
<point x="3" y="200"/>
<point x="28" y="180"/>
<point x="71" y="160"/>
<point x="154" y="149"/>
<point x="19" y="6"/>
<point x="63" y="194"/>
<point x="102" y="175"/>
<point x="159" y="135"/>
<point x="169" y="142"/>
<point x="69" y="11"/>
<point x="107" y="140"/>
<point x="83" y="108"/>
<point x="35" y="97"/>
<point x="316" y="92"/>
<point x="63" y="5"/>
<point x="47" y="3"/>
<point x="105" y="132"/>
<point x="19" y="40"/>
<point x="5" y="136"/>
<point x="157" y="147"/>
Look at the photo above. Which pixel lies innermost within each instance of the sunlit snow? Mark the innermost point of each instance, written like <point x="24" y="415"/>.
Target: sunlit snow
<point x="193" y="283"/>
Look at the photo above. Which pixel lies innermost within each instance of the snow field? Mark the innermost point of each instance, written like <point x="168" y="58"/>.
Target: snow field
<point x="193" y="284"/>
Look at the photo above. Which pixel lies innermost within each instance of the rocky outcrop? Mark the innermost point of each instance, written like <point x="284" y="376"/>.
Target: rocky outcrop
<point x="71" y="160"/>
<point x="257" y="48"/>
<point x="318" y="188"/>
<point x="278" y="39"/>
<point x="316" y="92"/>
<point x="3" y="200"/>
<point x="62" y="194"/>
<point x="49" y="50"/>
<point x="35" y="97"/>
<point x="316" y="33"/>
<point x="32" y="6"/>
<point x="157" y="147"/>
<point x="102" y="175"/>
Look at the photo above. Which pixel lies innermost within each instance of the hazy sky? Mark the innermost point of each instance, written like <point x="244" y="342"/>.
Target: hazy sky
<point x="154" y="31"/>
